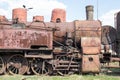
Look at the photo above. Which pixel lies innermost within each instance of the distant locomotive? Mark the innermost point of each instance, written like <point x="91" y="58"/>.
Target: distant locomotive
<point x="57" y="46"/>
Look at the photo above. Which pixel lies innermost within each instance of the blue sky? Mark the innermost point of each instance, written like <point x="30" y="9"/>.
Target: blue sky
<point x="75" y="8"/>
<point x="106" y="9"/>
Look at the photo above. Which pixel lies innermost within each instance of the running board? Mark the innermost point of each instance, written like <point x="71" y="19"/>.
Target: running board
<point x="43" y="56"/>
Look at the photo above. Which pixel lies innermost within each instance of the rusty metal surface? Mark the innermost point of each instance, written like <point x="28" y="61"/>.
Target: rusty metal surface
<point x="90" y="41"/>
<point x="108" y="35"/>
<point x="58" y="14"/>
<point x="91" y="45"/>
<point x="20" y="13"/>
<point x="78" y="29"/>
<point x="87" y="29"/>
<point x="63" y="27"/>
<point x="117" y="21"/>
<point x="24" y="38"/>
<point x="89" y="12"/>
<point x="90" y="63"/>
<point x="117" y="26"/>
<point x="43" y="56"/>
<point x="91" y="50"/>
<point x="18" y="63"/>
<point x="38" y="18"/>
<point x="3" y="18"/>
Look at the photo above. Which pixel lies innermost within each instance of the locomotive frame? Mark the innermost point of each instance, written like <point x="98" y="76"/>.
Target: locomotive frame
<point x="39" y="47"/>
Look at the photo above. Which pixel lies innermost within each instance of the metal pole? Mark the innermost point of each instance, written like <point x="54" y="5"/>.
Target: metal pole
<point x="97" y="9"/>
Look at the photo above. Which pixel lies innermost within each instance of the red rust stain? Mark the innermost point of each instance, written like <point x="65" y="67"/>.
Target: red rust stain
<point x="90" y="63"/>
<point x="3" y="18"/>
<point x="20" y="13"/>
<point x="58" y="13"/>
<point x="25" y="38"/>
<point x="38" y="18"/>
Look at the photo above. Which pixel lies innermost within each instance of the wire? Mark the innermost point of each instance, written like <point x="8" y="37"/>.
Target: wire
<point x="97" y="9"/>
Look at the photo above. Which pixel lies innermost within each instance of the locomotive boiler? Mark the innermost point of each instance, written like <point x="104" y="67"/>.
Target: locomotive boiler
<point x="52" y="47"/>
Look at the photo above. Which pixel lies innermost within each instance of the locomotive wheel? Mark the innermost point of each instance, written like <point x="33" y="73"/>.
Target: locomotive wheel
<point x="2" y="67"/>
<point x="17" y="64"/>
<point x="39" y="67"/>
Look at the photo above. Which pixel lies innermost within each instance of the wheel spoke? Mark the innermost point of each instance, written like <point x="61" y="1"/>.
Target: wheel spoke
<point x="16" y="71"/>
<point x="39" y="67"/>
<point x="36" y="66"/>
<point x="40" y="70"/>
<point x="13" y="69"/>
<point x="17" y="64"/>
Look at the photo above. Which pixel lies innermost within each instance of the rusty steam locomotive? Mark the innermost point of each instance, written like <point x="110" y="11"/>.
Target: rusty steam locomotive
<point x="57" y="46"/>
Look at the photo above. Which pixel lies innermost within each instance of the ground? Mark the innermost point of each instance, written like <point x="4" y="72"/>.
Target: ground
<point x="70" y="77"/>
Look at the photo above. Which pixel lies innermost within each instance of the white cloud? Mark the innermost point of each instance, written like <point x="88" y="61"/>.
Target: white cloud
<point x="40" y="7"/>
<point x="108" y="18"/>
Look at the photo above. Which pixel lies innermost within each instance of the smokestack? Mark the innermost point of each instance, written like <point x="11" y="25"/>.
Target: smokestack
<point x="89" y="12"/>
<point x="19" y="14"/>
<point x="38" y="18"/>
<point x="58" y="15"/>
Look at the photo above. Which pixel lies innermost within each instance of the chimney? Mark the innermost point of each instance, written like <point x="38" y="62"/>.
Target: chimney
<point x="19" y="14"/>
<point x="89" y="12"/>
<point x="58" y="15"/>
<point x="38" y="18"/>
